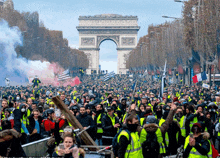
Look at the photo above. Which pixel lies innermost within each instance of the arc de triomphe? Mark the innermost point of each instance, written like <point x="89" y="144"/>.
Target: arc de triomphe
<point x="93" y="30"/>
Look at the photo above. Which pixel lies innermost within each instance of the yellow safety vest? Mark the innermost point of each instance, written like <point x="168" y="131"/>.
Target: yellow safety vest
<point x="124" y="116"/>
<point x="182" y="126"/>
<point x="166" y="134"/>
<point x="134" y="149"/>
<point x="189" y="99"/>
<point x="152" y="107"/>
<point x="158" y="133"/>
<point x="194" y="153"/>
<point x="25" y="121"/>
<point x="112" y="119"/>
<point x="99" y="122"/>
<point x="142" y="121"/>
<point x="3" y="116"/>
<point x="219" y="132"/>
<point x="161" y="121"/>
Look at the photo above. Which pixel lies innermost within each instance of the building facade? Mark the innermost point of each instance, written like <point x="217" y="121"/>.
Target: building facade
<point x="93" y="30"/>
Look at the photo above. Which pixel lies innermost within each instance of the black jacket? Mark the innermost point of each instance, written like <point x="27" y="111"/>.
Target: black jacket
<point x="174" y="143"/>
<point x="16" y="149"/>
<point x="31" y="125"/>
<point x="107" y="126"/>
<point x="86" y="121"/>
<point x="17" y="120"/>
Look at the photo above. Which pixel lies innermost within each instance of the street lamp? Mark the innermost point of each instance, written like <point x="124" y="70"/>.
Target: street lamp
<point x="179" y="1"/>
<point x="171" y="17"/>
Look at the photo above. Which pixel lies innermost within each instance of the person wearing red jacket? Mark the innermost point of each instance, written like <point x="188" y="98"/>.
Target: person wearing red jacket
<point x="49" y="123"/>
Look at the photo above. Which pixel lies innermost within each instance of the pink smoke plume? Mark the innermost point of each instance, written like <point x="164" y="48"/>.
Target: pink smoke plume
<point x="72" y="82"/>
<point x="48" y="74"/>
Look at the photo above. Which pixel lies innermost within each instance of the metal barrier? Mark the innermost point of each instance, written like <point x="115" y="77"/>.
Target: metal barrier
<point x="104" y="151"/>
<point x="36" y="149"/>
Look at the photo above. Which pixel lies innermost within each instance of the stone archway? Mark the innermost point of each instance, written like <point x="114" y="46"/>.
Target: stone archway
<point x="93" y="30"/>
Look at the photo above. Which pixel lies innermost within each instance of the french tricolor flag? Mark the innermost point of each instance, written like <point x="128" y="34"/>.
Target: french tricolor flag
<point x="199" y="77"/>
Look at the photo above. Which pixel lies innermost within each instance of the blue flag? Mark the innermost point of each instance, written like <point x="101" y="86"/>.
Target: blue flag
<point x="204" y="76"/>
<point x="133" y="86"/>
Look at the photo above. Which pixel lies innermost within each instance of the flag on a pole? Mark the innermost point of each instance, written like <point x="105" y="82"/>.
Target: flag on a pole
<point x="145" y="73"/>
<point x="133" y="87"/>
<point x="199" y="77"/>
<point x="163" y="79"/>
<point x="64" y="76"/>
<point x="204" y="76"/>
<point x="195" y="79"/>
<point x="109" y="76"/>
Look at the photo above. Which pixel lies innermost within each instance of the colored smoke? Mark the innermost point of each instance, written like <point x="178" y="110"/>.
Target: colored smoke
<point x="19" y="70"/>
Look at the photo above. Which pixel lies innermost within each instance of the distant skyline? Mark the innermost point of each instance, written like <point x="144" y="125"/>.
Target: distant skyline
<point x="63" y="16"/>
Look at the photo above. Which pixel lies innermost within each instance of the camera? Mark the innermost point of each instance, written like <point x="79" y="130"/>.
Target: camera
<point x="61" y="146"/>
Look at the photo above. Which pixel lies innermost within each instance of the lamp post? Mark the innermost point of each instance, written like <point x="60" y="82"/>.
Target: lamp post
<point x="179" y="1"/>
<point x="170" y="17"/>
<point x="141" y="45"/>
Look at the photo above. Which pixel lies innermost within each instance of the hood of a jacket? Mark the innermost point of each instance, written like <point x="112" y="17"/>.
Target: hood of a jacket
<point x="152" y="127"/>
<point x="206" y="135"/>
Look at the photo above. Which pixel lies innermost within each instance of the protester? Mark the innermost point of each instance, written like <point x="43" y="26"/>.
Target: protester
<point x="130" y="147"/>
<point x="68" y="149"/>
<point x="106" y="106"/>
<point x="197" y="144"/>
<point x="34" y="127"/>
<point x="10" y="144"/>
<point x="87" y="121"/>
<point x="110" y="126"/>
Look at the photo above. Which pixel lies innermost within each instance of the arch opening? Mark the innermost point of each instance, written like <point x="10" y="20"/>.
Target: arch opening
<point x="108" y="57"/>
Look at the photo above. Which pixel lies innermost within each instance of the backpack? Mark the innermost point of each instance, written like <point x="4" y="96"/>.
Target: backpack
<point x="151" y="147"/>
<point x="115" y="144"/>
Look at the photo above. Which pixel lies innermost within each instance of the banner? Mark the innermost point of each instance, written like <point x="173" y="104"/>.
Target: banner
<point x="204" y="85"/>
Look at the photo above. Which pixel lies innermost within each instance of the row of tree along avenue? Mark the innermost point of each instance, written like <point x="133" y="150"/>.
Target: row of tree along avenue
<point x="40" y="42"/>
<point x="188" y="43"/>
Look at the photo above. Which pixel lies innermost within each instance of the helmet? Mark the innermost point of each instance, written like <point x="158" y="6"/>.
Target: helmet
<point x="92" y="96"/>
<point x="74" y="108"/>
<point x="49" y="111"/>
<point x="123" y="98"/>
<point x="212" y="104"/>
<point x="8" y="110"/>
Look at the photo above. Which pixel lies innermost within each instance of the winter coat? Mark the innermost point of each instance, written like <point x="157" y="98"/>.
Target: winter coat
<point x="86" y="121"/>
<point x="31" y="125"/>
<point x="17" y="120"/>
<point x="107" y="126"/>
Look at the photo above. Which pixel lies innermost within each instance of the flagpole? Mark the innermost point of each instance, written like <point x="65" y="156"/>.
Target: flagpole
<point x="162" y="80"/>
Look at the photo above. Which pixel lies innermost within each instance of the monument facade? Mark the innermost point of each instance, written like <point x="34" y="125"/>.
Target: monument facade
<point x="93" y="30"/>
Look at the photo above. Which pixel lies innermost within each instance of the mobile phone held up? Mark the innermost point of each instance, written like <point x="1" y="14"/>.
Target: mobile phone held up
<point x="61" y="146"/>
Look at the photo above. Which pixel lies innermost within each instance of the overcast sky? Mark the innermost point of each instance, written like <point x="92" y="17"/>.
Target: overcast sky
<point x="63" y="15"/>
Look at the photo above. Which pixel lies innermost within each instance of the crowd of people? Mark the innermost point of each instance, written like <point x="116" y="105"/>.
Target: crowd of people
<point x="129" y="113"/>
